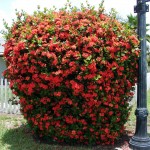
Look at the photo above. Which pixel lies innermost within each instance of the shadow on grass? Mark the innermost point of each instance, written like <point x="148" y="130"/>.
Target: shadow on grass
<point x="21" y="139"/>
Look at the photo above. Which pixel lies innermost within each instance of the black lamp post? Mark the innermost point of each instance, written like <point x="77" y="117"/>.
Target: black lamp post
<point x="141" y="140"/>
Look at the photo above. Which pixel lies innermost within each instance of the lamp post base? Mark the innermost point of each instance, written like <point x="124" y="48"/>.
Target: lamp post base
<point x="139" y="143"/>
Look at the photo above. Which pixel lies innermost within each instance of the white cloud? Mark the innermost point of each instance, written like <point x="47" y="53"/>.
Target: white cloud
<point x="123" y="7"/>
<point x="3" y="15"/>
<point x="31" y="5"/>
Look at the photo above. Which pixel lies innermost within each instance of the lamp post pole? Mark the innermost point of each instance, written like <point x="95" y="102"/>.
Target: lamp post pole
<point x="141" y="140"/>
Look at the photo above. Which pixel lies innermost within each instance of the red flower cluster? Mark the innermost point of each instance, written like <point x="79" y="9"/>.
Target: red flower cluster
<point x="74" y="73"/>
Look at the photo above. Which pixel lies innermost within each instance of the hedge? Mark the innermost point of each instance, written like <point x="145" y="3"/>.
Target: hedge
<point x="74" y="72"/>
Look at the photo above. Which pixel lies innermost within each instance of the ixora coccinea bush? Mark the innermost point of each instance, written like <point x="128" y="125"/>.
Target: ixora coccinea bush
<point x="74" y="72"/>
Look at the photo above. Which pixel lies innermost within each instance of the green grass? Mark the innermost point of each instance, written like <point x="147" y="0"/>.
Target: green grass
<point x="148" y="106"/>
<point x="132" y="117"/>
<point x="15" y="135"/>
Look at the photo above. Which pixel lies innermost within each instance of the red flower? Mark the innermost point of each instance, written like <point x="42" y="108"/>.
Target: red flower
<point x="73" y="132"/>
<point x="73" y="72"/>
<point x="107" y="130"/>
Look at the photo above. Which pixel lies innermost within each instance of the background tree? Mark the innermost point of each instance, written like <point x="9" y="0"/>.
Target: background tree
<point x="132" y="22"/>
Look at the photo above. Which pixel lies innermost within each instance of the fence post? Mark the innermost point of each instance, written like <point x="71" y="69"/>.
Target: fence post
<point x="5" y="95"/>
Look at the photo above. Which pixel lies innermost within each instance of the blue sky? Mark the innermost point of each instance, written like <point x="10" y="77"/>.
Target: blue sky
<point x="7" y="7"/>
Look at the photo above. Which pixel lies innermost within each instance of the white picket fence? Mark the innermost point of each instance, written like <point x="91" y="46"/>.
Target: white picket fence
<point x="148" y="86"/>
<point x="5" y="95"/>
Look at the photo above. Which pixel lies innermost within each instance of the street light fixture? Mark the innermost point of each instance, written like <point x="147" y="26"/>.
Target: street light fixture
<point x="141" y="140"/>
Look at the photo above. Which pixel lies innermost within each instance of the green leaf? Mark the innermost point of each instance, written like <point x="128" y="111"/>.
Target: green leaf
<point x="89" y="58"/>
<point x="51" y="30"/>
<point x="114" y="68"/>
<point x="97" y="77"/>
<point x="39" y="42"/>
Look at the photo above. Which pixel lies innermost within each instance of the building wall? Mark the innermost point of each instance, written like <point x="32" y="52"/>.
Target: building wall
<point x="2" y="66"/>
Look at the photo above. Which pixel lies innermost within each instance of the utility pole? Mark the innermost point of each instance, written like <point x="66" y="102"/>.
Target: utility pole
<point x="141" y="140"/>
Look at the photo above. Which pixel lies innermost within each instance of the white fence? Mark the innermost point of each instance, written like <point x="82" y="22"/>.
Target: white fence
<point x="148" y="86"/>
<point x="5" y="95"/>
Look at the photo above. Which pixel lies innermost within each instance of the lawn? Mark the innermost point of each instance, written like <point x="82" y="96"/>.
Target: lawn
<point x="15" y="135"/>
<point x="132" y="118"/>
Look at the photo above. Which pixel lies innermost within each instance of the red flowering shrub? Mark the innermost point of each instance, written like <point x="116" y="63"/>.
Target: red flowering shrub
<point x="74" y="72"/>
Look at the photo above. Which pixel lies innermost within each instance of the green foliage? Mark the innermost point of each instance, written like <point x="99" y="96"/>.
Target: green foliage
<point x="74" y="72"/>
<point x="132" y="22"/>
